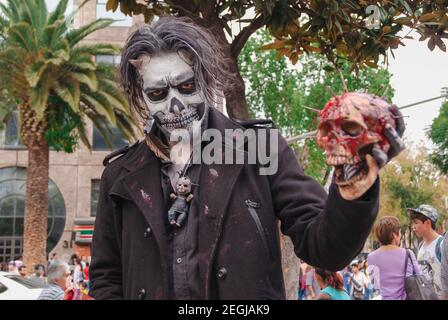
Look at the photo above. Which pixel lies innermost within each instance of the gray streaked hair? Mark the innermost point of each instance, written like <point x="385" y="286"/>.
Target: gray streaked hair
<point x="56" y="270"/>
<point x="171" y="34"/>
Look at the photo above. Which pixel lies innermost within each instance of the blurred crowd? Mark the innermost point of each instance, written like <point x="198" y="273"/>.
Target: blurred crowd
<point x="60" y="280"/>
<point x="391" y="272"/>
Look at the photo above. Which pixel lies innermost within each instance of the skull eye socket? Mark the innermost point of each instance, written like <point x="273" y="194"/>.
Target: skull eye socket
<point x="352" y="128"/>
<point x="156" y="94"/>
<point x="325" y="128"/>
<point x="188" y="87"/>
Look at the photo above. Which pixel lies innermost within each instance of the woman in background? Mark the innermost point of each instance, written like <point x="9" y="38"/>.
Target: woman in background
<point x="332" y="285"/>
<point x="387" y="263"/>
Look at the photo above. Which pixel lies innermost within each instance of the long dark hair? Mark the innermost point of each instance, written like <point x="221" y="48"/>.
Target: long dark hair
<point x="170" y="34"/>
<point x="333" y="279"/>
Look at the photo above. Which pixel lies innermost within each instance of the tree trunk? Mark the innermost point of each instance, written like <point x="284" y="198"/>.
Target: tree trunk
<point x="236" y="102"/>
<point x="291" y="268"/>
<point x="36" y="199"/>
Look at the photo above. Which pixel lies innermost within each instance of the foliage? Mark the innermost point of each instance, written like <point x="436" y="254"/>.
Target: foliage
<point x="279" y="92"/>
<point x="409" y="181"/>
<point x="361" y="31"/>
<point x="438" y="133"/>
<point x="48" y="71"/>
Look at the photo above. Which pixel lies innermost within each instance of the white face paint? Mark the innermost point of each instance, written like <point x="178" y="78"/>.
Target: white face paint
<point x="170" y="91"/>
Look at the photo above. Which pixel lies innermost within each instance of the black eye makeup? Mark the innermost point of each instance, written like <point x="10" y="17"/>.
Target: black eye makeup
<point x="156" y="94"/>
<point x="188" y="87"/>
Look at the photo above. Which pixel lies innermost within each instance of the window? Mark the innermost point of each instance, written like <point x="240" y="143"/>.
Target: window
<point x="122" y="19"/>
<point x="99" y="144"/>
<point x="108" y="59"/>
<point x="9" y="134"/>
<point x="12" y="209"/>
<point x="94" y="196"/>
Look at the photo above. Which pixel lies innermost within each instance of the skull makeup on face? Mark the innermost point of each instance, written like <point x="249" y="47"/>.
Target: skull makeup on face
<point x="348" y="128"/>
<point x="172" y="71"/>
<point x="170" y="90"/>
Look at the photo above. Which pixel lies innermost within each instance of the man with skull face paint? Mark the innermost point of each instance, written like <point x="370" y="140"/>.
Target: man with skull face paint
<point x="228" y="245"/>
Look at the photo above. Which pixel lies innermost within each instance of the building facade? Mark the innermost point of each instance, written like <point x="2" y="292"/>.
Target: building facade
<point x="74" y="178"/>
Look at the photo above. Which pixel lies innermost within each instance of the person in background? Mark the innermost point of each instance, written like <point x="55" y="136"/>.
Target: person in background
<point x="424" y="219"/>
<point x="57" y="274"/>
<point x="369" y="288"/>
<point x="86" y="275"/>
<point x="23" y="271"/>
<point x="444" y="268"/>
<point x="54" y="256"/>
<point x="69" y="286"/>
<point x="347" y="275"/>
<point x="387" y="263"/>
<point x="312" y="287"/>
<point x="358" y="281"/>
<point x="78" y="276"/>
<point x="331" y="285"/>
<point x="38" y="277"/>
<point x="12" y="267"/>
<point x="83" y="261"/>
<point x="301" y="294"/>
<point x="84" y="292"/>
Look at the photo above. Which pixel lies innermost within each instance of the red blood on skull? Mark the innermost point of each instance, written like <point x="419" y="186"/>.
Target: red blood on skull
<point x="350" y="124"/>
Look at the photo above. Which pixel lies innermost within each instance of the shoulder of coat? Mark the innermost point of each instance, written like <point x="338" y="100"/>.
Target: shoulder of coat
<point x="256" y="123"/>
<point x="119" y="153"/>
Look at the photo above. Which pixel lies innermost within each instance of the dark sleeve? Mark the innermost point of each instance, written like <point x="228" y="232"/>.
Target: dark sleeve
<point x="105" y="269"/>
<point x="327" y="232"/>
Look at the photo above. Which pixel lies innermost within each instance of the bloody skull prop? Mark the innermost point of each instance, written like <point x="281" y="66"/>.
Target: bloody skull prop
<point x="349" y="126"/>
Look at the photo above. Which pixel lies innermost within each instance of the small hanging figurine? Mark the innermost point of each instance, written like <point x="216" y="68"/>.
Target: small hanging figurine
<point x="181" y="199"/>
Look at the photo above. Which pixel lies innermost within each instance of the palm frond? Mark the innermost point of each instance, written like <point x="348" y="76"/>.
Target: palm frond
<point x="76" y="35"/>
<point x="58" y="12"/>
<point x="22" y="35"/>
<point x="96" y="49"/>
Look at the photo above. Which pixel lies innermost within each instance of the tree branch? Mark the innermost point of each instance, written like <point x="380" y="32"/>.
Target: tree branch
<point x="187" y="6"/>
<point x="242" y="37"/>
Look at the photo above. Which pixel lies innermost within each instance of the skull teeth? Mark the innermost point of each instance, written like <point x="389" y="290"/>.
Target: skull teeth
<point x="334" y="160"/>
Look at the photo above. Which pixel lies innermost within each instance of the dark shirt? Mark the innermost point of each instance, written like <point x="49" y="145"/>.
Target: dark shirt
<point x="183" y="241"/>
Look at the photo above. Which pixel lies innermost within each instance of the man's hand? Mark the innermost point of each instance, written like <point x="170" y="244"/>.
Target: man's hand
<point x="394" y="138"/>
<point x="357" y="189"/>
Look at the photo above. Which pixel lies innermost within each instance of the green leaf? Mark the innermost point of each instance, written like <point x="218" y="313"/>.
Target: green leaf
<point x="58" y="13"/>
<point x="22" y="35"/>
<point x="33" y="75"/>
<point x="88" y="78"/>
<point x="69" y="91"/>
<point x="76" y="35"/>
<point x="406" y="6"/>
<point x="39" y="98"/>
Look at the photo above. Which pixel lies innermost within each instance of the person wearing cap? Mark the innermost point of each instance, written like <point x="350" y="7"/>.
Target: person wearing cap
<point x="424" y="219"/>
<point x="358" y="281"/>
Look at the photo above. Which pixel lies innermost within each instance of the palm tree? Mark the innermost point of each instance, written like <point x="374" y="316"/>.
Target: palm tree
<point x="56" y="84"/>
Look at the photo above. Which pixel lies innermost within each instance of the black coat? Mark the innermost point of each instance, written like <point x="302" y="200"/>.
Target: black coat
<point x="239" y="210"/>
